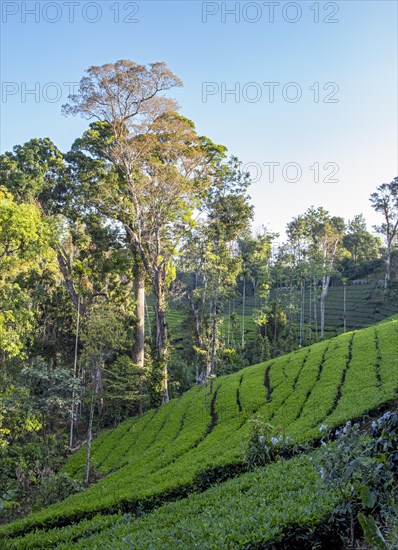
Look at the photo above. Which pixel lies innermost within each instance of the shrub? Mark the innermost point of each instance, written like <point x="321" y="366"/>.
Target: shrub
<point x="385" y="441"/>
<point x="364" y="471"/>
<point x="266" y="443"/>
<point x="54" y="488"/>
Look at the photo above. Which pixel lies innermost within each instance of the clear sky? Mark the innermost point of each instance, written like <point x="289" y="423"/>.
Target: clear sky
<point x="332" y="105"/>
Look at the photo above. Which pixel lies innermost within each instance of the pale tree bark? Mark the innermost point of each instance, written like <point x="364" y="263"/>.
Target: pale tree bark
<point x="302" y="298"/>
<point x="65" y="268"/>
<point x="157" y="275"/>
<point x="212" y="338"/>
<point x="315" y="309"/>
<point x="324" y="294"/>
<point x="197" y="308"/>
<point x="162" y="340"/>
<point x="326" y="283"/>
<point x="139" y="297"/>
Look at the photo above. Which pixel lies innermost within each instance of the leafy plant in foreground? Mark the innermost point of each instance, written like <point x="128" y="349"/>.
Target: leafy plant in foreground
<point x="364" y="471"/>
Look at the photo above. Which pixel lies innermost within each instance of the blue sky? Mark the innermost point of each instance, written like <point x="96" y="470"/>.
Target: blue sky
<point x="335" y="97"/>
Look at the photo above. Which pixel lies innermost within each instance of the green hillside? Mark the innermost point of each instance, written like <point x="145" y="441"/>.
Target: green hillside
<point x="365" y="306"/>
<point x="251" y="509"/>
<point x="181" y="447"/>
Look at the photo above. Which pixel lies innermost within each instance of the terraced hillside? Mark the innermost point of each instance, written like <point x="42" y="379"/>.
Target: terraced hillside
<point x="245" y="512"/>
<point x="177" y="449"/>
<point x="365" y="306"/>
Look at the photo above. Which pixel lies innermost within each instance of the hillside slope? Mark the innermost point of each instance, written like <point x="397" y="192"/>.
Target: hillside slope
<point x="365" y="306"/>
<point x="269" y="504"/>
<point x="169" y="452"/>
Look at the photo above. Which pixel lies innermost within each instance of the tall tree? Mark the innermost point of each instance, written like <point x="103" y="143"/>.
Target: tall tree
<point x="162" y="170"/>
<point x="126" y="97"/>
<point x="255" y="252"/>
<point x="362" y="250"/>
<point x="385" y="201"/>
<point x="24" y="245"/>
<point x="325" y="235"/>
<point x="211" y="254"/>
<point x="316" y="243"/>
<point x="361" y="245"/>
<point x="36" y="171"/>
<point x="91" y="256"/>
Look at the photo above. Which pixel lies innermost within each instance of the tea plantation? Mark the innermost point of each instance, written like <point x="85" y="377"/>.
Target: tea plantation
<point x="177" y="452"/>
<point x="365" y="305"/>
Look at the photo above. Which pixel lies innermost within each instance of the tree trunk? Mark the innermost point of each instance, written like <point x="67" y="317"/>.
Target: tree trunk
<point x="213" y="344"/>
<point x="157" y="275"/>
<point x="229" y="321"/>
<point x="139" y="296"/>
<point x="243" y="313"/>
<point x="64" y="266"/>
<point x="345" y="309"/>
<point x="148" y="320"/>
<point x="196" y="309"/>
<point x="75" y="376"/>
<point x="324" y="294"/>
<point x="388" y="265"/>
<point x="95" y="377"/>
<point x="310" y="313"/>
<point x="162" y="343"/>
<point x="315" y="311"/>
<point x="233" y="324"/>
<point x="302" y="315"/>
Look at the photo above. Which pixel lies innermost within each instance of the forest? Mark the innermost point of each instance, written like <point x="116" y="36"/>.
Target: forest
<point x="138" y="300"/>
